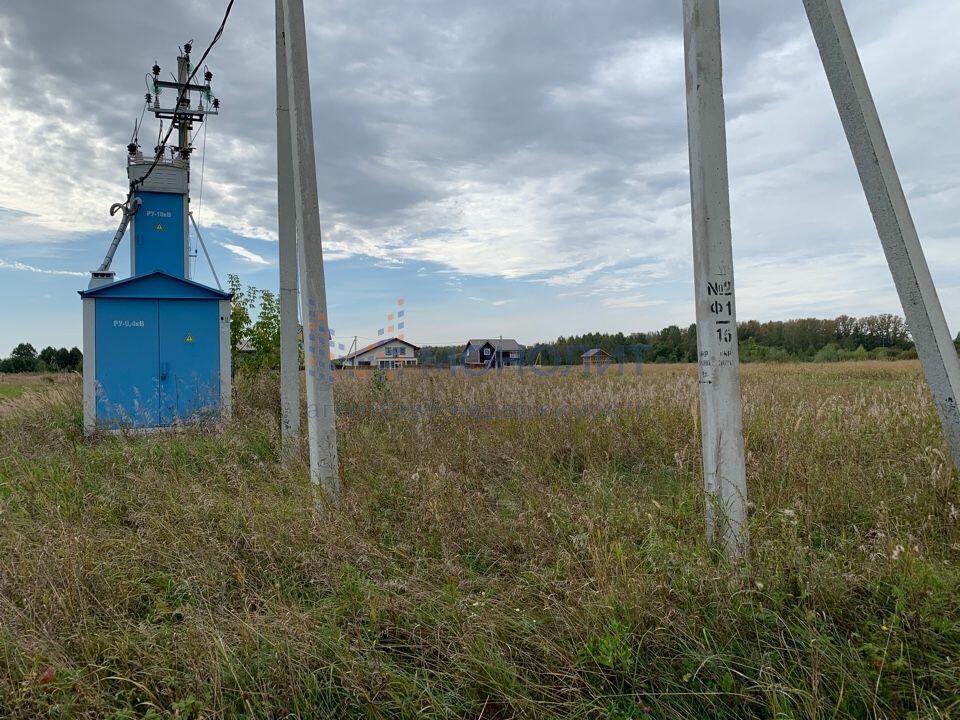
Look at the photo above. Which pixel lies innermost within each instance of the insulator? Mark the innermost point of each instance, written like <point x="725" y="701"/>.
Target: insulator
<point x="156" y="70"/>
<point x="148" y="97"/>
<point x="208" y="76"/>
<point x="188" y="48"/>
<point x="132" y="148"/>
<point x="216" y="103"/>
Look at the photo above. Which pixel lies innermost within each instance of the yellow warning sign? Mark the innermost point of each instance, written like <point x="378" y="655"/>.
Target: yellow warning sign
<point x="159" y="227"/>
<point x="188" y="338"/>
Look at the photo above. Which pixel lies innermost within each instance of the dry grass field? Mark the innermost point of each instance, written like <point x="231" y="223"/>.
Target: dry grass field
<point x="14" y="386"/>
<point x="506" y="546"/>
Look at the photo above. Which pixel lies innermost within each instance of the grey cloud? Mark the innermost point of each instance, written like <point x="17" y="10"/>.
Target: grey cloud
<point x="525" y="139"/>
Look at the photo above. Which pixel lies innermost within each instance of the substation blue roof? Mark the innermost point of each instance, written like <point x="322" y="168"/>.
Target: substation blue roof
<point x="157" y="284"/>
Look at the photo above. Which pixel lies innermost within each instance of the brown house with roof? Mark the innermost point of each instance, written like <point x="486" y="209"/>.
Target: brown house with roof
<point x="596" y="357"/>
<point x="386" y="354"/>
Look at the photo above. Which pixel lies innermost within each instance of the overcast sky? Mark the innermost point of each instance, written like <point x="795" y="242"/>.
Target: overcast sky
<point x="515" y="168"/>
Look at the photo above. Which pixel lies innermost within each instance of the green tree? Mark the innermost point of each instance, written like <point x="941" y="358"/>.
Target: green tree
<point x="24" y="351"/>
<point x="53" y="360"/>
<point x="76" y="359"/>
<point x="240" y="321"/>
<point x="255" y="319"/>
<point x="265" y="333"/>
<point x="23" y="358"/>
<point x="48" y="356"/>
<point x="62" y="359"/>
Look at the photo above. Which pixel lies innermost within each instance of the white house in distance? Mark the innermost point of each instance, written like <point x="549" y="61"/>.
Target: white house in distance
<point x="389" y="353"/>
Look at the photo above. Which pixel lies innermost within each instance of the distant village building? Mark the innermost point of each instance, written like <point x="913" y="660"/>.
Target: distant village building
<point x="492" y="352"/>
<point x="246" y="348"/>
<point x="597" y="357"/>
<point x="386" y="354"/>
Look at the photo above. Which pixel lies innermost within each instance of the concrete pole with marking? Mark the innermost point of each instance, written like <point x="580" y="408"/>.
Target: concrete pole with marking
<point x="718" y="355"/>
<point x="891" y="214"/>
<point x="287" y="229"/>
<point x="321" y="420"/>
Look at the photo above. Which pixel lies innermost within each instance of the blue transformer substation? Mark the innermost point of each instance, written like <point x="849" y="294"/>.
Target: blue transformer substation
<point x="156" y="345"/>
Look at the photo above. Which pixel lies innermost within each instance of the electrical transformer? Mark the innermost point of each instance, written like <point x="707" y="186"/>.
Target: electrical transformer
<point x="156" y="345"/>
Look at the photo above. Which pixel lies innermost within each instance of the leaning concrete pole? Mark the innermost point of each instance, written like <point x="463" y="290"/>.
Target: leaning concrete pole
<point x="891" y="214"/>
<point x="286" y="214"/>
<point x="321" y="421"/>
<point x="719" y="359"/>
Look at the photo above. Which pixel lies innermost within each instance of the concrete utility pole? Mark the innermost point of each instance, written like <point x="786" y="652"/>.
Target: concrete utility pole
<point x="321" y="420"/>
<point x="286" y="213"/>
<point x="891" y="214"/>
<point x="718" y="354"/>
<point x="183" y="125"/>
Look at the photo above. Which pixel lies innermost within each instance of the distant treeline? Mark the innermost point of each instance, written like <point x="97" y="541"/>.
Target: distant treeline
<point x="25" y="358"/>
<point x="882" y="337"/>
<point x="874" y="337"/>
<point x="878" y="337"/>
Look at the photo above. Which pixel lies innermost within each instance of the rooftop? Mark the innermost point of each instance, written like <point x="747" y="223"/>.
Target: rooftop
<point x="374" y="346"/>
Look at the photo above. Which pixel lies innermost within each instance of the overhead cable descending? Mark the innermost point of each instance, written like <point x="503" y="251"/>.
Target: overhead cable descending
<point x="162" y="145"/>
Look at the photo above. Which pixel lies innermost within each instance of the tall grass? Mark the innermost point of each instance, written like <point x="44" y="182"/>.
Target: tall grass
<point x="542" y="563"/>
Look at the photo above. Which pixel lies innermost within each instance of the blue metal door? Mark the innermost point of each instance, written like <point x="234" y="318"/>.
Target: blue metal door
<point x="189" y="360"/>
<point x="126" y="361"/>
<point x="159" y="234"/>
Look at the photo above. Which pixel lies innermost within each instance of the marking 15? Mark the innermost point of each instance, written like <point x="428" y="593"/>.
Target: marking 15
<point x="721" y="309"/>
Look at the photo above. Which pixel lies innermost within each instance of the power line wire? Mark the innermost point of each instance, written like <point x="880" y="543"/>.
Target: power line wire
<point x="180" y="96"/>
<point x="138" y="124"/>
<point x="203" y="163"/>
